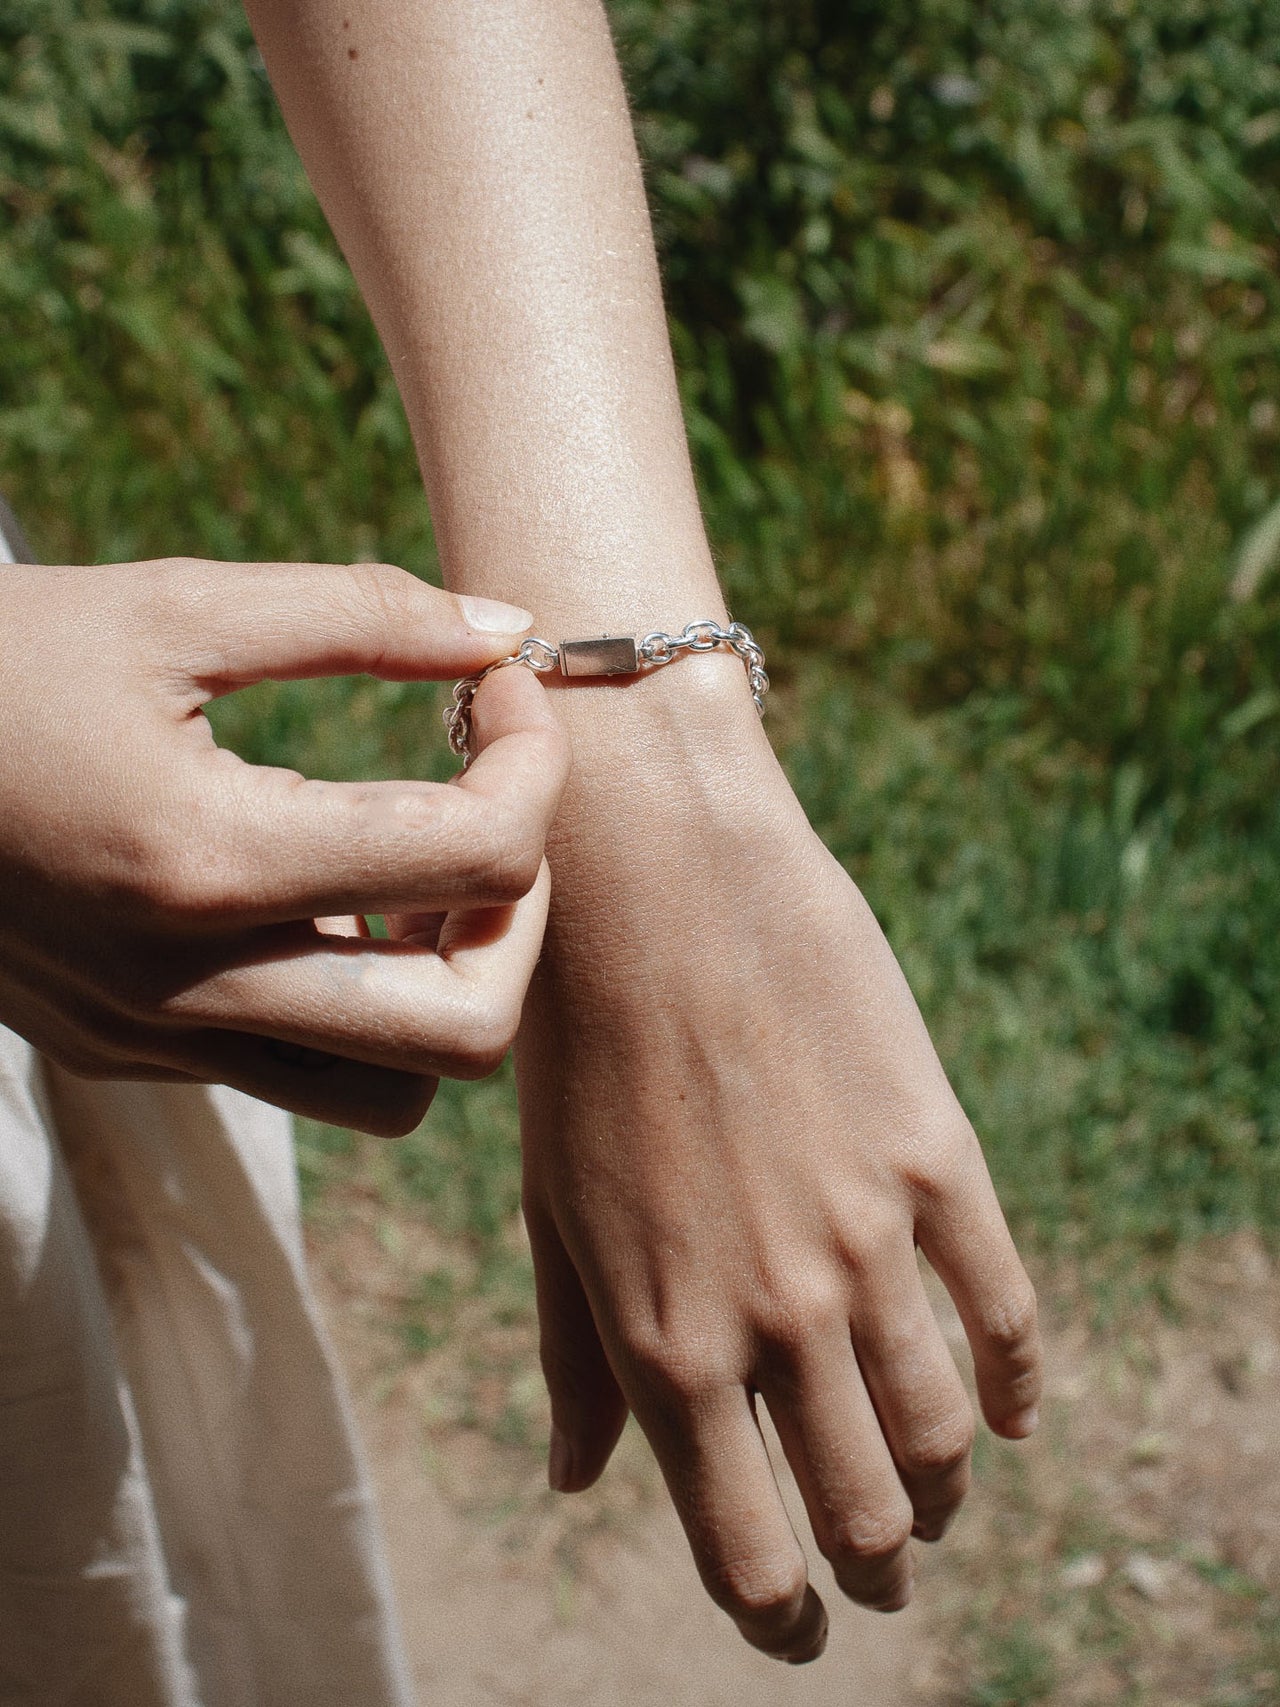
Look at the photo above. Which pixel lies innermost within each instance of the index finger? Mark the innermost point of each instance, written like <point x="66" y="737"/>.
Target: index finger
<point x="226" y="625"/>
<point x="965" y="1237"/>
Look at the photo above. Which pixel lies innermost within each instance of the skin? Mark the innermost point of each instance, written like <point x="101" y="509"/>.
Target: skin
<point x="169" y="912"/>
<point x="735" y="1128"/>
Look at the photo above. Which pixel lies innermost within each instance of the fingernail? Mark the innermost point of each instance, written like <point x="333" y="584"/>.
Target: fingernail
<point x="810" y="1654"/>
<point x="815" y="1614"/>
<point x="489" y="616"/>
<point x="932" y="1530"/>
<point x="559" y="1462"/>
<point x="898" y="1600"/>
<point x="813" y="1651"/>
<point x="1024" y="1423"/>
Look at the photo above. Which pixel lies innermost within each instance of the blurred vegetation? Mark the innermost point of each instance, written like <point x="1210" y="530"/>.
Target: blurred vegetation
<point x="977" y="311"/>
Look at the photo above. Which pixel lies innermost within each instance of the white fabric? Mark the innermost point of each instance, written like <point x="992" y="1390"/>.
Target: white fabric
<point x="184" y="1518"/>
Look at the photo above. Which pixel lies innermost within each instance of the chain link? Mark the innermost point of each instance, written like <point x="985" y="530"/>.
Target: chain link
<point x="653" y="651"/>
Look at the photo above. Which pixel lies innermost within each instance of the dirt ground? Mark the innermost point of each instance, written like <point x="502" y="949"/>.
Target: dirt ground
<point x="1130" y="1553"/>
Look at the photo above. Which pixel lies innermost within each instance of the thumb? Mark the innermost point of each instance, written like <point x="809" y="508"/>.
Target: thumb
<point x="587" y="1407"/>
<point x="233" y="624"/>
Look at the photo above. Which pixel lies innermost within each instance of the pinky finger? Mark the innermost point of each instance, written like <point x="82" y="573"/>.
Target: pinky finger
<point x="967" y="1241"/>
<point x="588" y="1410"/>
<point x="308" y="1082"/>
<point x="344" y="924"/>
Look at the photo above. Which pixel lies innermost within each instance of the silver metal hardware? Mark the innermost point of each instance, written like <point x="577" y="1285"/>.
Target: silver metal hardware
<point x="610" y="655"/>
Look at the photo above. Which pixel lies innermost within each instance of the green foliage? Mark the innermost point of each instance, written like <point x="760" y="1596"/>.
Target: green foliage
<point x="1020" y="1670"/>
<point x="186" y="363"/>
<point x="977" y="307"/>
<point x="1101" y="975"/>
<point x="977" y="314"/>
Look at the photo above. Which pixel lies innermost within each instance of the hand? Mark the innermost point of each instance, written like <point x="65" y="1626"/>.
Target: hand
<point x="736" y="1132"/>
<point x="167" y="911"/>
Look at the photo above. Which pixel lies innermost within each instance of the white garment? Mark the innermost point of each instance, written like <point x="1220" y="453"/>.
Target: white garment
<point x="184" y="1518"/>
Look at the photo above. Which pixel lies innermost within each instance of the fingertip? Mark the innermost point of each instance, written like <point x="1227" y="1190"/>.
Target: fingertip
<point x="344" y="925"/>
<point x="588" y="1411"/>
<point x="568" y="1475"/>
<point x="812" y="1630"/>
<point x="507" y="696"/>
<point x="576" y="1460"/>
<point x="817" y="1646"/>
<point x="1020" y="1425"/>
<point x="899" y="1598"/>
<point x="1010" y="1384"/>
<point x="931" y="1530"/>
<point x="513" y="702"/>
<point x="559" y="1462"/>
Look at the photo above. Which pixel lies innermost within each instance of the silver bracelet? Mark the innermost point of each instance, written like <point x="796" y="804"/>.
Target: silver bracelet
<point x="610" y="655"/>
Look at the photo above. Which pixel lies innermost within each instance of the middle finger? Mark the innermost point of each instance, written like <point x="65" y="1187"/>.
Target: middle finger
<point x="389" y="1004"/>
<point x="917" y="1392"/>
<point x="860" y="1513"/>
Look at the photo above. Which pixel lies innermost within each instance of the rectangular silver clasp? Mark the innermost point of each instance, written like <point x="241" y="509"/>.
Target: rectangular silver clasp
<point x="610" y="655"/>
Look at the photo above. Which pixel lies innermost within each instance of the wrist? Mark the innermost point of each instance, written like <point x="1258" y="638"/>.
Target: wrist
<point x="690" y="717"/>
<point x="673" y="780"/>
<point x="665" y="731"/>
<point x="613" y="660"/>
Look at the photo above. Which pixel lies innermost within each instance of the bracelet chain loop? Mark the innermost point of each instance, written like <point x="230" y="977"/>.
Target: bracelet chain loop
<point x="652" y="651"/>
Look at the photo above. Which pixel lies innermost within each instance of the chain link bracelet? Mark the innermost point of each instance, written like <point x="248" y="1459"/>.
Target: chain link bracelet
<point x="610" y="655"/>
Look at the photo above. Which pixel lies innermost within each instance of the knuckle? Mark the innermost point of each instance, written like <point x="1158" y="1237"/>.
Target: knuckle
<point x="864" y="1247"/>
<point x="792" y="1315"/>
<point x="947" y="1160"/>
<point x="1010" y="1326"/>
<point x="506" y="856"/>
<point x="872" y="1537"/>
<point x="941" y="1449"/>
<point x="669" y="1373"/>
<point x="178" y="879"/>
<point x="755" y="1589"/>
<point x="367" y="606"/>
<point x="175" y="597"/>
<point x="482" y="1040"/>
<point x="677" y="1368"/>
<point x="203" y="888"/>
<point x="382" y="596"/>
<point x="165" y="584"/>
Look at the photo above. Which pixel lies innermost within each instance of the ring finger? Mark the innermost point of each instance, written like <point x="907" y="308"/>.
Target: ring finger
<point x="919" y="1398"/>
<point x="829" y="1431"/>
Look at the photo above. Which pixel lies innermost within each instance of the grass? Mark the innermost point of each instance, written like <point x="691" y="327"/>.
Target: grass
<point x="977" y="312"/>
<point x="1076" y="1575"/>
<point x="1019" y="1670"/>
<point x="1095" y="975"/>
<point x="978" y="321"/>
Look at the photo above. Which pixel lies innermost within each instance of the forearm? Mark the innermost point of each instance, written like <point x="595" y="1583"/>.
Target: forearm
<point x="476" y="160"/>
